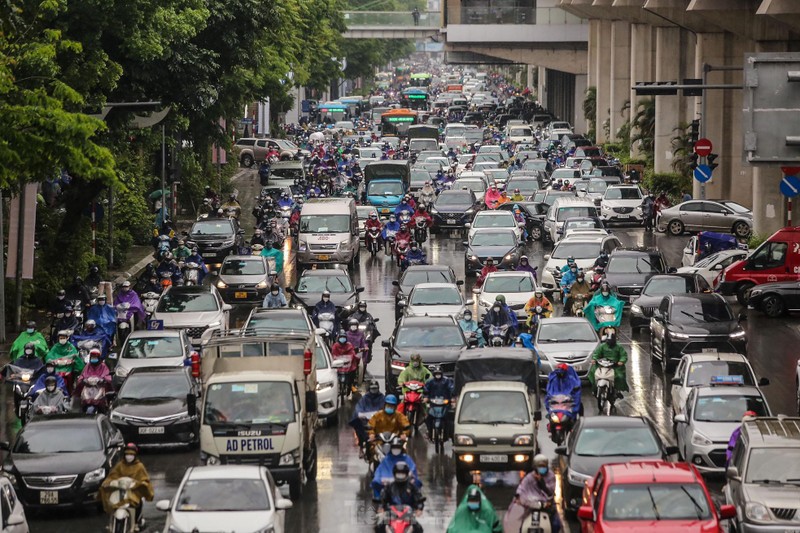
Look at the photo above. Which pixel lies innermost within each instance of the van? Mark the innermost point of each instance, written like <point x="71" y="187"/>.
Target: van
<point x="564" y="208"/>
<point x="328" y="232"/>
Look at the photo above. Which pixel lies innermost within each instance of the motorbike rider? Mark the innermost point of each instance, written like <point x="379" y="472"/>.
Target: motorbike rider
<point x="370" y="402"/>
<point x="198" y="259"/>
<point x="397" y="453"/>
<point x="274" y="298"/>
<point x="126" y="294"/>
<point x="29" y="360"/>
<point x="49" y="369"/>
<point x="62" y="349"/>
<point x="129" y="467"/>
<point x="78" y="291"/>
<point x="427" y="195"/>
<point x="475" y="514"/>
<point x="512" y="316"/>
<point x="182" y="251"/>
<point x="415" y="371"/>
<point x="519" y="217"/>
<point x="580" y="287"/>
<point x="517" y="196"/>
<point x="371" y="223"/>
<point x="400" y="492"/>
<point x="496" y="316"/>
<point x="411" y="202"/>
<point x="403" y="207"/>
<point x="602" y="298"/>
<point x="392" y="226"/>
<point x="357" y="338"/>
<point x="364" y="317"/>
<point x="601" y="261"/>
<point x="232" y="207"/>
<point x="488" y="268"/>
<point x="258" y="237"/>
<point x="567" y="280"/>
<point x="570" y="263"/>
<point x="343" y="349"/>
<point x="564" y="380"/>
<point x="273" y="249"/>
<point x="610" y="349"/>
<point x="94" y="335"/>
<point x="58" y="305"/>
<point x="388" y="419"/>
<point x="747" y="417"/>
<point x="403" y="234"/>
<point x="29" y="336"/>
<point x="285" y="200"/>
<point x="439" y="386"/>
<point x="422" y="213"/>
<point x="525" y="266"/>
<point x="539" y="300"/>
<point x="470" y="327"/>
<point x="51" y="396"/>
<point x="415" y="255"/>
<point x="69" y="322"/>
<point x="95" y="369"/>
<point x="168" y="268"/>
<point x="537" y="486"/>
<point x="104" y="315"/>
<point x="492" y="197"/>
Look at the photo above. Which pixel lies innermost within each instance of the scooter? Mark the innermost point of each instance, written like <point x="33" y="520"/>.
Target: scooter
<point x="561" y="417"/>
<point x="438" y="412"/>
<point x="84" y="347"/>
<point x="535" y="317"/>
<point x="94" y="396"/>
<point x="498" y="335"/>
<point x="380" y="449"/>
<point x="401" y="247"/>
<point x="149" y="302"/>
<point x="388" y="243"/>
<point x="604" y="381"/>
<point x="65" y="375"/>
<point x="537" y="520"/>
<point x="191" y="273"/>
<point x="420" y="231"/>
<point x="413" y="404"/>
<point x="124" y="322"/>
<point x="607" y="316"/>
<point x="400" y="519"/>
<point x="578" y="303"/>
<point x="372" y="241"/>
<point x="21" y="379"/>
<point x="326" y="322"/>
<point x="123" y="519"/>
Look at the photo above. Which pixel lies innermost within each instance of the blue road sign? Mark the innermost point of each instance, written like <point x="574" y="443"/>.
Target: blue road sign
<point x="155" y="325"/>
<point x="702" y="173"/>
<point x="790" y="186"/>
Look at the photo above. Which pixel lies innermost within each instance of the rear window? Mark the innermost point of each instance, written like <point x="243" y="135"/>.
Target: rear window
<point x="662" y="501"/>
<point x="623" y="193"/>
<point x="242" y="268"/>
<point x="700" y="373"/>
<point x="578" y="211"/>
<point x="632" y="264"/>
<point x="152" y="348"/>
<point x="193" y="302"/>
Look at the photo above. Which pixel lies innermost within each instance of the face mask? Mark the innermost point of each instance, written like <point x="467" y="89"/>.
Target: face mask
<point x="605" y="293"/>
<point x="612" y="341"/>
<point x="374" y="391"/>
<point x="397" y="451"/>
<point x="353" y="328"/>
<point x="389" y="410"/>
<point x="401" y="478"/>
<point x="62" y="341"/>
<point x="542" y="470"/>
<point x="362" y="309"/>
<point x="94" y="361"/>
<point x="274" y="293"/>
<point x="415" y="364"/>
<point x="580" y="280"/>
<point x="29" y="330"/>
<point x="496" y="308"/>
<point x="126" y="289"/>
<point x="473" y="506"/>
<point x="343" y="339"/>
<point x="28" y="352"/>
<point x="129" y="458"/>
<point x="60" y="296"/>
<point x="51" y="388"/>
<point x="467" y="317"/>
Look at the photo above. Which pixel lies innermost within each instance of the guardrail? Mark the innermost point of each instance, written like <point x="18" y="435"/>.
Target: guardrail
<point x="423" y="19"/>
<point x="518" y="15"/>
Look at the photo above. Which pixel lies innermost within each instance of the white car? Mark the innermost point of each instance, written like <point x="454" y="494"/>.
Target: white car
<point x="14" y="520"/>
<point x="327" y="383"/>
<point x="219" y="498"/>
<point x="199" y="310"/>
<point x="519" y="134"/>
<point x="584" y="248"/>
<point x="622" y="203"/>
<point x="494" y="219"/>
<point x="711" y="266"/>
<point x="476" y="185"/>
<point x="516" y="287"/>
<point x="556" y="129"/>
<point x="435" y="299"/>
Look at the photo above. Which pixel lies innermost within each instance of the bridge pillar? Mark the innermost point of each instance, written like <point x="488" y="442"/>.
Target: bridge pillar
<point x="592" y="62"/>
<point x="668" y="108"/>
<point x="642" y="66"/>
<point x="769" y="210"/>
<point x="541" y="86"/>
<point x="603" y="77"/>
<point x="620" y="75"/>
<point x="580" y="90"/>
<point x="529" y="80"/>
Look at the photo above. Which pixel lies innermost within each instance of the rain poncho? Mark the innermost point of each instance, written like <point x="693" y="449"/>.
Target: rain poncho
<point x="492" y="198"/>
<point x="529" y="491"/>
<point x="273" y="301"/>
<point x="98" y="337"/>
<point x="39" y="386"/>
<point x="18" y="348"/>
<point x="100" y="370"/>
<point x="131" y="298"/>
<point x="51" y="399"/>
<point x="106" y="318"/>
<point x="599" y="300"/>
<point x="67" y="350"/>
<point x="277" y="255"/>
<point x="570" y="385"/>
<point x="384" y="471"/>
<point x="412" y="373"/>
<point x="470" y="326"/>
<point x="136" y="471"/>
<point x="484" y="520"/>
<point x="617" y="354"/>
<point x="369" y="403"/>
<point x="526" y="268"/>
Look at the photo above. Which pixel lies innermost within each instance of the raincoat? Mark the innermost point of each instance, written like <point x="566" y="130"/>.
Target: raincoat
<point x="39" y="386"/>
<point x="527" y="268"/>
<point x="97" y="336"/>
<point x="410" y="373"/>
<point x="384" y="471"/>
<point x="197" y="258"/>
<point x="492" y="198"/>
<point x="18" y="347"/>
<point x="394" y="423"/>
<point x="369" y="403"/>
<point x="404" y="206"/>
<point x="356" y="338"/>
<point x="598" y="301"/>
<point x="131" y="298"/>
<point x="536" y="302"/>
<point x="470" y="326"/>
<point x="100" y="370"/>
<point x="484" y="520"/>
<point x="529" y="491"/>
<point x="570" y="385"/>
<point x="277" y="255"/>
<point x="51" y="399"/>
<point x="271" y="301"/>
<point x="136" y="471"/>
<point x="59" y="351"/>
<point x="616" y="354"/>
<point x="345" y="351"/>
<point x="106" y="318"/>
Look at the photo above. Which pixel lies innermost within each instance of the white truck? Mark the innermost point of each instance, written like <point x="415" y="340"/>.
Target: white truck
<point x="260" y="405"/>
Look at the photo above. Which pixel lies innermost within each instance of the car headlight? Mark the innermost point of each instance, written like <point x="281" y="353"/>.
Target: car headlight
<point x="344" y="242"/>
<point x="756" y="511"/>
<point x="473" y="258"/>
<point x="509" y="257"/>
<point x="698" y="439"/>
<point x="213" y="460"/>
<point x="636" y="309"/>
<point x="227" y="243"/>
<point x="116" y="417"/>
<point x="323" y="386"/>
<point x="464" y="440"/>
<point x="676" y="335"/>
<point x="262" y="285"/>
<point x="469" y="211"/>
<point x="290" y="458"/>
<point x="434" y="212"/>
<point x="214" y="325"/>
<point x="302" y="246"/>
<point x="221" y="284"/>
<point x="95" y="476"/>
<point x="737" y="334"/>
<point x="11" y="478"/>
<point x="575" y="478"/>
<point x="121" y="371"/>
<point x="523" y="440"/>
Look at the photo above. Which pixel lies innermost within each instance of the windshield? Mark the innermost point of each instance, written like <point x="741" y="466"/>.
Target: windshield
<point x="578" y="250"/>
<point x="325" y="224"/>
<point x="283" y="322"/>
<point x="571" y="212"/>
<point x="223" y="495"/>
<point x="413" y="277"/>
<point x="212" y="227"/>
<point x="386" y="188"/>
<point x="473" y="185"/>
<point x="632" y="264"/>
<point x="505" y="284"/>
<point x="243" y="267"/>
<point x="370" y="153"/>
<point x="436" y="296"/>
<point x="661" y="501"/>
<point x="152" y="385"/>
<point x="700" y="373"/>
<point x="287" y="173"/>
<point x="727" y="408"/>
<point x="340" y="284"/>
<point x="455" y="131"/>
<point x="494" y="238"/>
<point x="520" y="132"/>
<point x="736" y="208"/>
<point x="774" y="464"/>
<point x="610" y="441"/>
<point x="566" y="332"/>
<point x="671" y="285"/>
<point x="420" y="176"/>
<point x="56" y="438"/>
<point x="691" y="312"/>
<point x="623" y="193"/>
<point x="526" y="187"/>
<point x="286" y="145"/>
<point x="538" y="164"/>
<point x="709" y="261"/>
<point x="504" y="220"/>
<point x="454" y="198"/>
<point x="429" y="337"/>
<point x="494" y="407"/>
<point x="152" y="348"/>
<point x="597" y="186"/>
<point x="187" y="302"/>
<point x="246" y="403"/>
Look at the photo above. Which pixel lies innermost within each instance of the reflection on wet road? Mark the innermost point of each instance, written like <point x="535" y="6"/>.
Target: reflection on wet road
<point x="340" y="501"/>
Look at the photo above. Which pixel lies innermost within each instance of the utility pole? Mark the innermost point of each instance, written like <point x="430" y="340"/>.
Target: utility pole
<point x="20" y="255"/>
<point x="2" y="273"/>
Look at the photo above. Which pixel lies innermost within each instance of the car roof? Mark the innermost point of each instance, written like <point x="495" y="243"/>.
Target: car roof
<point x="509" y="274"/>
<point x="701" y="357"/>
<point x="565" y="320"/>
<point x="64" y="419"/>
<point x="225" y="472"/>
<point x="584" y="237"/>
<point x="650" y="472"/>
<point x="324" y="272"/>
<point x="435" y="285"/>
<point x="684" y="275"/>
<point x="159" y="370"/>
<point x="417" y="321"/>
<point x="243" y="258"/>
<point x="614" y="422"/>
<point x="155" y="333"/>
<point x="702" y="297"/>
<point x="189" y="289"/>
<point x="493" y="230"/>
<point x="779" y="431"/>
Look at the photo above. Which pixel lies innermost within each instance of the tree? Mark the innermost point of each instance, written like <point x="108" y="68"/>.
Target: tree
<point x="644" y="128"/>
<point x="682" y="149"/>
<point x="590" y="110"/>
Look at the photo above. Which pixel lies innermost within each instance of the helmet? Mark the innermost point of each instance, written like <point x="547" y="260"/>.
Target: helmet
<point x="474" y="495"/>
<point x="31" y="324"/>
<point x="352" y="322"/>
<point x="605" y="286"/>
<point x="373" y="384"/>
<point x="63" y="333"/>
<point x="538" y="292"/>
<point x="30" y="346"/>
<point x="516" y="191"/>
<point x="435" y="369"/>
<point x="489" y="260"/>
<point x="126" y="284"/>
<point x="523" y="258"/>
<point x="95" y="352"/>
<point x="326" y="293"/>
<point x="131" y="448"/>
<point x="416" y="358"/>
<point x="91" y="323"/>
<point x="570" y="260"/>
<point x="541" y="460"/>
<point x="401" y="471"/>
<point x="500" y="298"/>
<point x="390" y="399"/>
<point x="561" y="369"/>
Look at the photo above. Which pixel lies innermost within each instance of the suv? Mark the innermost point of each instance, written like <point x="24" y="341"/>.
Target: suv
<point x="622" y="203"/>
<point x="763" y="475"/>
<point x="252" y="150"/>
<point x="198" y="310"/>
<point x="216" y="238"/>
<point x="629" y="269"/>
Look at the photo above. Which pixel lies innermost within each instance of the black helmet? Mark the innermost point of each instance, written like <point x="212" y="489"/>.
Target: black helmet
<point x="374" y="386"/>
<point x="50" y="379"/>
<point x="435" y="369"/>
<point x="29" y="346"/>
<point x="401" y="471"/>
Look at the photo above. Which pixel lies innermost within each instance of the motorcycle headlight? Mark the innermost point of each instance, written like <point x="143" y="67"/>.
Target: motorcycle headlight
<point x="737" y="334"/>
<point x="554" y="418"/>
<point x="212" y="460"/>
<point x="464" y="440"/>
<point x="508" y="257"/>
<point x="756" y="511"/>
<point x="473" y="258"/>
<point x="636" y="309"/>
<point x="95" y="476"/>
<point x="698" y="439"/>
<point x="469" y="211"/>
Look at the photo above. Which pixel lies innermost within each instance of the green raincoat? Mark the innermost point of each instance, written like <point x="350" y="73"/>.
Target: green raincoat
<point x="18" y="348"/>
<point x="66" y="350"/>
<point x="483" y="520"/>
<point x="616" y="354"/>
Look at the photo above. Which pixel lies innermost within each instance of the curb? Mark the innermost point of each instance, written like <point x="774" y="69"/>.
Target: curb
<point x="135" y="270"/>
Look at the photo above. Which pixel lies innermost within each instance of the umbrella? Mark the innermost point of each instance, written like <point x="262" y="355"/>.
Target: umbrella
<point x="155" y="195"/>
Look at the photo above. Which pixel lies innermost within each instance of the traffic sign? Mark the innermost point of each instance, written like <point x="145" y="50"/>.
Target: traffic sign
<point x="703" y="147"/>
<point x="790" y="186"/>
<point x="702" y="173"/>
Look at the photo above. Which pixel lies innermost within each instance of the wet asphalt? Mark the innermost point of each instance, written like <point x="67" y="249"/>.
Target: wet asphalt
<point x="340" y="500"/>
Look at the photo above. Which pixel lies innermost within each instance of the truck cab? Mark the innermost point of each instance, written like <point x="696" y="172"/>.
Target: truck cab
<point x="386" y="182"/>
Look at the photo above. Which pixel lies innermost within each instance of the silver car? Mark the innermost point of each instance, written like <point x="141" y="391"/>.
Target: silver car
<point x="722" y="216"/>
<point x="570" y="340"/>
<point x="199" y="310"/>
<point x="435" y="299"/>
<point x="146" y="348"/>
<point x="245" y="278"/>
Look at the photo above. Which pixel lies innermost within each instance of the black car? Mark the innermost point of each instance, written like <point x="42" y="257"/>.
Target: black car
<point x="534" y="213"/>
<point x="216" y="238"/>
<point x="157" y="406"/>
<point x="454" y="208"/>
<point x="659" y="286"/>
<point x="420" y="274"/>
<point x="696" y="319"/>
<point x="775" y="299"/>
<point x="312" y="283"/>
<point x="629" y="269"/>
<point x="599" y="440"/>
<point x="500" y="244"/>
<point x="439" y="340"/>
<point x="281" y="320"/>
<point x="61" y="460"/>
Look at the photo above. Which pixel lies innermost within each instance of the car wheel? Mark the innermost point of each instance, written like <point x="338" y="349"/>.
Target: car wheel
<point x="675" y="227"/>
<point x="743" y="292"/>
<point x="773" y="306"/>
<point x="653" y="347"/>
<point x="247" y="160"/>
<point x="536" y="233"/>
<point x="741" y="230"/>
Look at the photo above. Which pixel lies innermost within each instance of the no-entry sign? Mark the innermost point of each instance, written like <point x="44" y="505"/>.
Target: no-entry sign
<point x="703" y="147"/>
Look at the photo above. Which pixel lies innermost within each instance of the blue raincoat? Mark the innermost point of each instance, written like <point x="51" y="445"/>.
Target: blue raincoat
<point x="384" y="471"/>
<point x="105" y="316"/>
<point x="570" y="385"/>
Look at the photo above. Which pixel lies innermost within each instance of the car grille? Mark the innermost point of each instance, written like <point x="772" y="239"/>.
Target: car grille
<point x="623" y="210"/>
<point x="49" y="482"/>
<point x="783" y="513"/>
<point x="569" y="359"/>
<point x="648" y="311"/>
<point x="629" y="291"/>
<point x="718" y="457"/>
<point x="269" y="461"/>
<point x="195" y="333"/>
<point x="322" y="247"/>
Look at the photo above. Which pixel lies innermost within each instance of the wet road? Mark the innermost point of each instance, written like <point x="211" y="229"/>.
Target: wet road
<point x="340" y="502"/>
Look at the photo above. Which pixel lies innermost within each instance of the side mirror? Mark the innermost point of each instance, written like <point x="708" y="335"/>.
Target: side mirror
<point x="585" y="513"/>
<point x="460" y="282"/>
<point x="726" y="512"/>
<point x="283" y="504"/>
<point x="289" y="290"/>
<point x="376" y="320"/>
<point x="547" y="257"/>
<point x="191" y="404"/>
<point x="402" y="303"/>
<point x="732" y="473"/>
<point x="676" y="380"/>
<point x="359" y="289"/>
<point x="395" y="283"/>
<point x="561" y="450"/>
<point x="680" y="419"/>
<point x="163" y="505"/>
<point x="718" y="266"/>
<point x="763" y="382"/>
<point x="5" y="445"/>
<point x="468" y="225"/>
<point x="671" y="450"/>
<point x="470" y="301"/>
<point x="311" y="401"/>
<point x="672" y="270"/>
<point x="742" y="317"/>
<point x="465" y="243"/>
<point x="227" y="307"/>
<point x="385" y="343"/>
<point x="113" y="355"/>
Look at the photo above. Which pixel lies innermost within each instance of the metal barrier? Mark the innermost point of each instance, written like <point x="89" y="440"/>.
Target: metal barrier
<point x="406" y="19"/>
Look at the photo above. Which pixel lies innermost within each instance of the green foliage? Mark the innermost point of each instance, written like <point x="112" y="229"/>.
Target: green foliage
<point x="644" y="129"/>
<point x="365" y="55"/>
<point x="590" y="110"/>
<point x="671" y="183"/>
<point x="682" y="149"/>
<point x="756" y="240"/>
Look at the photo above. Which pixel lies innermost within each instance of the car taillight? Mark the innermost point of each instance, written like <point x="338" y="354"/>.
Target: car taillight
<point x="195" y="357"/>
<point x="307" y="362"/>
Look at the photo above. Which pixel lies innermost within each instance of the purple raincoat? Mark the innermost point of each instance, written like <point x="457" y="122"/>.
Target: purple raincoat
<point x="131" y="298"/>
<point x="528" y="492"/>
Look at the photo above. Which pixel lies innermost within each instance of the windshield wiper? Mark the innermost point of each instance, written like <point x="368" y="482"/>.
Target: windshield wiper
<point x="697" y="508"/>
<point x="655" y="506"/>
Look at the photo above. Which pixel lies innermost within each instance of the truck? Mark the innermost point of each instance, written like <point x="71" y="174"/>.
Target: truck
<point x="260" y="404"/>
<point x="422" y="137"/>
<point x="497" y="412"/>
<point x="385" y="184"/>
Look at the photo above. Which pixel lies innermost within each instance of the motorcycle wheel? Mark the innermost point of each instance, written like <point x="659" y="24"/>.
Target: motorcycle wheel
<point x="412" y="418"/>
<point x="438" y="440"/>
<point x="557" y="436"/>
<point x="120" y="526"/>
<point x="601" y="399"/>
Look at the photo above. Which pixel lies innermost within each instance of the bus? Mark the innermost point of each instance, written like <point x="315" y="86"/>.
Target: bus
<point x="414" y="98"/>
<point x="422" y="79"/>
<point x="333" y="112"/>
<point x="395" y="123"/>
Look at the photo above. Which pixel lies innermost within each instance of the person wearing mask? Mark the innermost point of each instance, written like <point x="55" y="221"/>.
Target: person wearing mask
<point x="372" y="223"/>
<point x="343" y="349"/>
<point x="604" y="297"/>
<point x="504" y="199"/>
<point x="564" y="380"/>
<point x="49" y="369"/>
<point x="567" y="280"/>
<point x="570" y="263"/>
<point x="28" y="360"/>
<point x="285" y="200"/>
<point x="274" y="298"/>
<point x="519" y="217"/>
<point x="492" y="197"/>
<point x="182" y="251"/>
<point x="356" y="337"/>
<point x="422" y="214"/>
<point x="580" y="288"/>
<point x="60" y="303"/>
<point x="95" y="369"/>
<point x="648" y="211"/>
<point x="126" y="294"/>
<point x="398" y="493"/>
<point x="91" y="334"/>
<point x="63" y="350"/>
<point x="397" y="453"/>
<point x="324" y="305"/>
<point x="488" y="268"/>
<point x="403" y="207"/>
<point x="496" y="317"/>
<point x="104" y="315"/>
<point x="513" y="323"/>
<point x="403" y="234"/>
<point x="371" y="402"/>
<point x="258" y="237"/>
<point x="747" y="417"/>
<point x="390" y="229"/>
<point x="198" y="259"/>
<point x="231" y="208"/>
<point x="539" y="300"/>
<point x="438" y="386"/>
<point x="415" y="371"/>
<point x="427" y="195"/>
<point x="475" y="514"/>
<point x="28" y="336"/>
<point x="78" y="291"/>
<point x="415" y="256"/>
<point x="273" y="249"/>
<point x="68" y="322"/>
<point x="609" y="349"/>
<point x="411" y="202"/>
<point x="537" y="486"/>
<point x="130" y="466"/>
<point x="601" y="261"/>
<point x="471" y="328"/>
<point x="51" y="400"/>
<point x="517" y="196"/>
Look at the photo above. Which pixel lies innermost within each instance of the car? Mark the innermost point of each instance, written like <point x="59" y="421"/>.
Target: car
<point x="548" y="196"/>
<point x="311" y="284"/>
<point x="212" y="498"/>
<point x="497" y="175"/>
<point x="251" y="149"/>
<point x="654" y="496"/>
<point x="435" y="299"/>
<point x="589" y="151"/>
<point x="562" y="209"/>
<point x="328" y="401"/>
<point x="287" y="173"/>
<point x="573" y="224"/>
<point x="216" y="238"/>
<point x="705" y="215"/>
<point x="683" y="319"/>
<point x="60" y="460"/>
<point x="502" y="245"/>
<point x="584" y="248"/>
<point x="622" y="203"/>
<point x="527" y="185"/>
<point x="415" y="274"/>
<point x="533" y="213"/>
<point x="629" y="269"/>
<point x="476" y="185"/>
<point x="516" y="287"/>
<point x="245" y="278"/>
<point x="600" y="440"/>
<point x="454" y="208"/>
<point x="494" y="219"/>
<point x="595" y="190"/>
<point x="539" y="164"/>
<point x="147" y="348"/>
<point x="280" y="320"/>
<point x="712" y="413"/>
<point x="656" y="288"/>
<point x="198" y="310"/>
<point x="157" y="406"/>
<point x="775" y="299"/>
<point x="564" y="173"/>
<point x="439" y="340"/>
<point x="364" y="211"/>
<point x="700" y="368"/>
<point x="13" y="520"/>
<point x="519" y="134"/>
<point x="710" y="267"/>
<point x="570" y="340"/>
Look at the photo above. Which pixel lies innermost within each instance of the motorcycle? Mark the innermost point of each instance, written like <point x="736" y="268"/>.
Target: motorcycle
<point x="346" y="377"/>
<point x="77" y="309"/>
<point x="420" y="231"/>
<point x="438" y="412"/>
<point x="537" y="519"/>
<point x="124" y="322"/>
<point x="399" y="519"/>
<point x="561" y="417"/>
<point x="388" y="243"/>
<point x="578" y="303"/>
<point x="368" y="329"/>
<point x="149" y="302"/>
<point x="498" y="335"/>
<point x="380" y="450"/>
<point x="535" y="317"/>
<point x="327" y="322"/>
<point x="94" y="396"/>
<point x="401" y="247"/>
<point x="21" y="379"/>
<point x="256" y="249"/>
<point x="191" y="273"/>
<point x="604" y="382"/>
<point x="372" y="241"/>
<point x="413" y="404"/>
<point x="404" y="218"/>
<point x="123" y="519"/>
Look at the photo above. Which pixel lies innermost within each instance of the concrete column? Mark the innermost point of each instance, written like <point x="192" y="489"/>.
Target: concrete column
<point x="603" y="73"/>
<point x="642" y="66"/>
<point x="541" y="86"/>
<point x="620" y="75"/>
<point x="580" y="91"/>
<point x="668" y="42"/>
<point x="591" y="79"/>
<point x="769" y="212"/>
<point x="529" y="83"/>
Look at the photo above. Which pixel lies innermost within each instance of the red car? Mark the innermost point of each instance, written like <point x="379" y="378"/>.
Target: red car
<point x="653" y="496"/>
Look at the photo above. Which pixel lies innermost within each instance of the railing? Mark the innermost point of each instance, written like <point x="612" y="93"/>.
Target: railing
<point x="423" y="19"/>
<point x="518" y="15"/>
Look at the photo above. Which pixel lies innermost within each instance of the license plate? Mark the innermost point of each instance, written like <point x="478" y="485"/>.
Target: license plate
<point x="714" y="350"/>
<point x="48" y="497"/>
<point x="494" y="458"/>
<point x="240" y="295"/>
<point x="324" y="258"/>
<point x="451" y="221"/>
<point x="154" y="430"/>
<point x="623" y="216"/>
